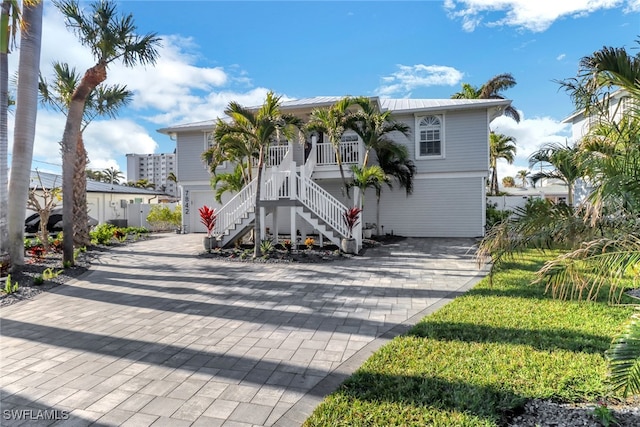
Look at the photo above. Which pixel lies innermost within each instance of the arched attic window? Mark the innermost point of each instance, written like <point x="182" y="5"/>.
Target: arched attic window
<point x="429" y="136"/>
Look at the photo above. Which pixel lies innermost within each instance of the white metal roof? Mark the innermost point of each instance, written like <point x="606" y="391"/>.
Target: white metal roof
<point x="51" y="180"/>
<point x="397" y="105"/>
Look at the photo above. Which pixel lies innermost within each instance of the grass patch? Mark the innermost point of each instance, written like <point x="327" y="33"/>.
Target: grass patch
<point x="481" y="357"/>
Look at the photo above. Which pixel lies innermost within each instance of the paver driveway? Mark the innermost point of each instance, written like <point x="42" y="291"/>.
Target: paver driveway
<point x="155" y="335"/>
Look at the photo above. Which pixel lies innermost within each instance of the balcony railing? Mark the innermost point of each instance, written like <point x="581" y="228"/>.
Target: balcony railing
<point x="350" y="153"/>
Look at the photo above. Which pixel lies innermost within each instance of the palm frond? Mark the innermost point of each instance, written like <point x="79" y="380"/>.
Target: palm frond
<point x="623" y="357"/>
<point x="583" y="272"/>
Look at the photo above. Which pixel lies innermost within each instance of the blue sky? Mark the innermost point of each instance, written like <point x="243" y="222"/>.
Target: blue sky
<point x="214" y="52"/>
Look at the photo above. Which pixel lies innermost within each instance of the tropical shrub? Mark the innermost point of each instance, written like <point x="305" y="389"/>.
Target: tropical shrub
<point x="162" y="218"/>
<point x="495" y="215"/>
<point x="351" y="218"/>
<point x="208" y="218"/>
<point x="102" y="234"/>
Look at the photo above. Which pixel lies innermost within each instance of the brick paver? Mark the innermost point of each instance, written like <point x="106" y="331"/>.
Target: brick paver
<point x="156" y="335"/>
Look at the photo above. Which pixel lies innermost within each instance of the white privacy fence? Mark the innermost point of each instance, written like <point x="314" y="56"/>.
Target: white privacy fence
<point x="136" y="214"/>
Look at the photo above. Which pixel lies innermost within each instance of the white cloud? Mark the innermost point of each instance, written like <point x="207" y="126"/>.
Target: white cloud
<point x="531" y="15"/>
<point x="410" y="77"/>
<point x="561" y="56"/>
<point x="178" y="89"/>
<point x="530" y="135"/>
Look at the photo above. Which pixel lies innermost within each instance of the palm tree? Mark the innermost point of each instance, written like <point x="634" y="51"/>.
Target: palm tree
<point x="373" y="126"/>
<point x="257" y="130"/>
<point x="370" y="177"/>
<point x="565" y="163"/>
<point x="102" y="101"/>
<point x="333" y="122"/>
<point x="231" y="181"/>
<point x="9" y="21"/>
<point x="24" y="128"/>
<point x="508" y="181"/>
<point x="522" y="175"/>
<point x="143" y="183"/>
<point x="110" y="38"/>
<point x="491" y="90"/>
<point x="94" y="175"/>
<point x="231" y="147"/>
<point x="395" y="162"/>
<point x="500" y="147"/>
<point x="172" y="177"/>
<point x="112" y="175"/>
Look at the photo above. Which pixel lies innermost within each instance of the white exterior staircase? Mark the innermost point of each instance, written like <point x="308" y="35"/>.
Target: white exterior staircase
<point x="286" y="181"/>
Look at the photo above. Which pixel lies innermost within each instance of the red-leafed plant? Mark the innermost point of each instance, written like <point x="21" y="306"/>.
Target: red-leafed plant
<point x="208" y="218"/>
<point x="351" y="217"/>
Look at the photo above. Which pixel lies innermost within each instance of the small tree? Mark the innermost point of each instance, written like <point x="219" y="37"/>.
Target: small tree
<point x="50" y="198"/>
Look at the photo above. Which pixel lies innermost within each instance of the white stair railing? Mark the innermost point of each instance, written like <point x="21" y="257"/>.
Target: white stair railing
<point x="310" y="163"/>
<point x="326" y="207"/>
<point x="236" y="209"/>
<point x="275" y="179"/>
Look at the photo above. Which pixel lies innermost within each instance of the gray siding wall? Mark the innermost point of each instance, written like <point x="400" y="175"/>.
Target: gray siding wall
<point x="438" y="207"/>
<point x="447" y="207"/>
<point x="190" y="146"/>
<point x="466" y="142"/>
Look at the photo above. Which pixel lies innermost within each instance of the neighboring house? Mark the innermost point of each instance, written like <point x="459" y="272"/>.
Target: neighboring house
<point x="449" y="143"/>
<point x="155" y="168"/>
<point x="619" y="104"/>
<point x="105" y="201"/>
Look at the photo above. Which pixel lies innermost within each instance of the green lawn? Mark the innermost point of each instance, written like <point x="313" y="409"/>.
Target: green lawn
<point x="482" y="356"/>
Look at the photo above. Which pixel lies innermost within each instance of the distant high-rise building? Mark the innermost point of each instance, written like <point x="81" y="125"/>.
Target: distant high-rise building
<point x="155" y="168"/>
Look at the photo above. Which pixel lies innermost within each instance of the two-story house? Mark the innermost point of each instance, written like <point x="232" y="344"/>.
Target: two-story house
<point x="448" y="142"/>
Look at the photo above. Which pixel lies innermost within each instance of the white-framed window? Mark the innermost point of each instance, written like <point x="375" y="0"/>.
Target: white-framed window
<point x="208" y="140"/>
<point x="430" y="137"/>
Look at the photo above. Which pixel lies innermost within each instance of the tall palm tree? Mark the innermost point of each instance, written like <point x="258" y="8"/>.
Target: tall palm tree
<point x="257" y="129"/>
<point x="9" y="21"/>
<point x="102" y="101"/>
<point x="333" y="121"/>
<point x="110" y="38"/>
<point x="112" y="175"/>
<point x="565" y="162"/>
<point x="500" y="147"/>
<point x="492" y="89"/>
<point x="172" y="177"/>
<point x="24" y="128"/>
<point x="523" y="175"/>
<point x="373" y="126"/>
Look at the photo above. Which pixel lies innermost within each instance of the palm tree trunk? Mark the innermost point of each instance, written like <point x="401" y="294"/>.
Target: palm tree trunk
<point x="494" y="182"/>
<point x="4" y="150"/>
<point x="256" y="224"/>
<point x="339" y="162"/>
<point x="25" y="129"/>
<point x="92" y="78"/>
<point x="80" y="215"/>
